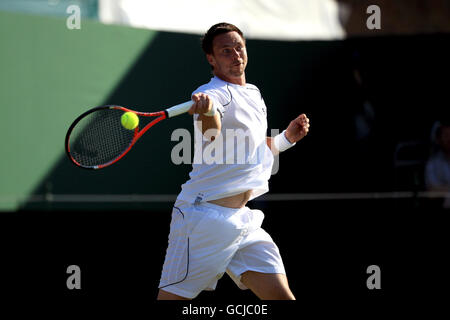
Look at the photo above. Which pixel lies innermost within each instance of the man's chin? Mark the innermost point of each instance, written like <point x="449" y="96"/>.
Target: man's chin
<point x="237" y="73"/>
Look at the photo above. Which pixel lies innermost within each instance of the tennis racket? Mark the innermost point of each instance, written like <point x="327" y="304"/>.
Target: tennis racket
<point x="97" y="139"/>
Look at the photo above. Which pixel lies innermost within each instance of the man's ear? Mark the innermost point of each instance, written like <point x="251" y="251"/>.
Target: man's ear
<point x="211" y="59"/>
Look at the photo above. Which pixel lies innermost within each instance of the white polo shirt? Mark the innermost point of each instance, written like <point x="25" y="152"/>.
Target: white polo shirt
<point x="239" y="158"/>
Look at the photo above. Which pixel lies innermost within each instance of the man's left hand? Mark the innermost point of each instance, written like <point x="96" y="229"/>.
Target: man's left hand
<point x="298" y="128"/>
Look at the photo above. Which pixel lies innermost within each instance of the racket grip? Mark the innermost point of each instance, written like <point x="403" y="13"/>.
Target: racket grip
<point x="179" y="109"/>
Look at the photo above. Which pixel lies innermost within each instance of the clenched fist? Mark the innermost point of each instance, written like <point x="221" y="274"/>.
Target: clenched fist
<point x="298" y="128"/>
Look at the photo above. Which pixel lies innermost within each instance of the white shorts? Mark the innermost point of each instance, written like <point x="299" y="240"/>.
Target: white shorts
<point x="207" y="240"/>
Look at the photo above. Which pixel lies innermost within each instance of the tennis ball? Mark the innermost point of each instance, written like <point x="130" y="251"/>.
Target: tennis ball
<point x="129" y="120"/>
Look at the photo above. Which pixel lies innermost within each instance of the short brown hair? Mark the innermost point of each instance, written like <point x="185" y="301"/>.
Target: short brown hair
<point x="215" y="30"/>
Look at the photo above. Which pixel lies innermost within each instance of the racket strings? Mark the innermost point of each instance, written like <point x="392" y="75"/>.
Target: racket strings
<point x="99" y="138"/>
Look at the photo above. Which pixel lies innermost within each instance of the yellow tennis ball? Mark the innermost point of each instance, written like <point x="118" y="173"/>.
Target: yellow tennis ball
<point x="129" y="120"/>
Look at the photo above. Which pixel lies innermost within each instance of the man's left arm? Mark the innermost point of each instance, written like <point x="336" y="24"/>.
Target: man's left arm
<point x="297" y="130"/>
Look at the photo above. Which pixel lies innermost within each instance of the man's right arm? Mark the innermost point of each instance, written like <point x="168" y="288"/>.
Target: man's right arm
<point x="210" y="125"/>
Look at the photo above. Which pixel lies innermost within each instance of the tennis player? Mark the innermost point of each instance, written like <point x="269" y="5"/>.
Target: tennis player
<point x="212" y="231"/>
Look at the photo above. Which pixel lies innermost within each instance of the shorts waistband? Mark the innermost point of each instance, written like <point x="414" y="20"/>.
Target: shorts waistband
<point x="204" y="204"/>
<point x="220" y="208"/>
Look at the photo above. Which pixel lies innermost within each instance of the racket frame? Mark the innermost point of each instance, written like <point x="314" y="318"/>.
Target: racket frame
<point x="161" y="115"/>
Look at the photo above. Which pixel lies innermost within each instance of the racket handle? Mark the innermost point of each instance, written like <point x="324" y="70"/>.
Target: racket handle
<point x="179" y="109"/>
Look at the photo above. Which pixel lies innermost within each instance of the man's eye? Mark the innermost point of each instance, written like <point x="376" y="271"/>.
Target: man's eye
<point x="226" y="50"/>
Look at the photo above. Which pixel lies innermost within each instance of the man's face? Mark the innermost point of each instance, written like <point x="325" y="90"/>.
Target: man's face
<point x="229" y="57"/>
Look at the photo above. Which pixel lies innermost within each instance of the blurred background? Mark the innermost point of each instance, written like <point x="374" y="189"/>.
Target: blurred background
<point x="363" y="187"/>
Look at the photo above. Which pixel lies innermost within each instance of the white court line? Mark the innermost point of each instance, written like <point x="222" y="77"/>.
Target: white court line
<point x="142" y="198"/>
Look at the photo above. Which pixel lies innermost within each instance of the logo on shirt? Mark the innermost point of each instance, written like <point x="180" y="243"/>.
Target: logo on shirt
<point x="264" y="110"/>
<point x="199" y="198"/>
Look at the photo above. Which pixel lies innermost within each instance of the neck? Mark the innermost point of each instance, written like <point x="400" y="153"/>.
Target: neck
<point x="239" y="80"/>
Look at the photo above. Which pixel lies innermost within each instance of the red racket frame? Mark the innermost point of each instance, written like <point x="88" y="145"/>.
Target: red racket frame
<point x="161" y="115"/>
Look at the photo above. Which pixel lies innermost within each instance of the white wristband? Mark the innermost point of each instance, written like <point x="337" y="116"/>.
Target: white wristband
<point x="281" y="143"/>
<point x="211" y="112"/>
